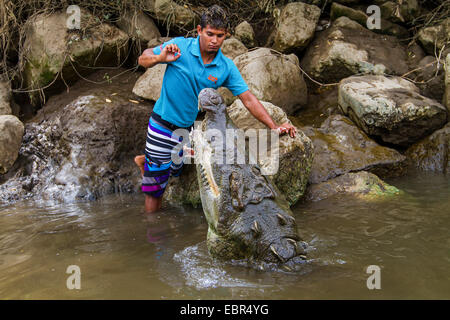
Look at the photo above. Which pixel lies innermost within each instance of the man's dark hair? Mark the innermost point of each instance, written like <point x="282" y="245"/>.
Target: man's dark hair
<point x="216" y="17"/>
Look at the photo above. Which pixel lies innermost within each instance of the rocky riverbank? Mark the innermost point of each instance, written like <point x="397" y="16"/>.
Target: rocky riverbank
<point x="368" y="104"/>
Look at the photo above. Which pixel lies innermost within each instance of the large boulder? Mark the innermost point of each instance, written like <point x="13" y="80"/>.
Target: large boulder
<point x="390" y="109"/>
<point x="429" y="77"/>
<point x="347" y="48"/>
<point x="11" y="132"/>
<point x="295" y="154"/>
<point x="184" y="190"/>
<point x="232" y="48"/>
<point x="174" y="16"/>
<point x="149" y="85"/>
<point x="83" y="149"/>
<point x="362" y="185"/>
<point x="274" y="78"/>
<point x="432" y="153"/>
<point x="341" y="147"/>
<point x="244" y="32"/>
<point x="51" y="52"/>
<point x="434" y="38"/>
<point x="295" y="26"/>
<point x="138" y="26"/>
<point x="5" y="97"/>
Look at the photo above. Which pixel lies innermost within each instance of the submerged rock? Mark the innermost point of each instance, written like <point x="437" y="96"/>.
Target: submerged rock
<point x="390" y="109"/>
<point x="432" y="153"/>
<point x="82" y="150"/>
<point x="361" y="184"/>
<point x="295" y="154"/>
<point x="274" y="78"/>
<point x="11" y="132"/>
<point x="341" y="147"/>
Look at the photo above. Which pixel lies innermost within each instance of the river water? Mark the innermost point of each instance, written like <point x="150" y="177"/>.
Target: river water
<point x="124" y="254"/>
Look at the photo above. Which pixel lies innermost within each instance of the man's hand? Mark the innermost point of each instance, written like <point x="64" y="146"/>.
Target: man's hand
<point x="286" y="128"/>
<point x="170" y="53"/>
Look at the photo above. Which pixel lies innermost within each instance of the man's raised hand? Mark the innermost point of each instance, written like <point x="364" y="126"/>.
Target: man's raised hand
<point x="170" y="53"/>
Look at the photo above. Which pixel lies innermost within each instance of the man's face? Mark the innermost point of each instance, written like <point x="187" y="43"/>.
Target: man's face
<point x="211" y="39"/>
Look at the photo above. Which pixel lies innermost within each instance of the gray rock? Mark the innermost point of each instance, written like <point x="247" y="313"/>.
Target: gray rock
<point x="362" y="185"/>
<point x="347" y="48"/>
<point x="295" y="26"/>
<point x="5" y="97"/>
<point x="82" y="150"/>
<point x="232" y="48"/>
<point x="341" y="147"/>
<point x="175" y="16"/>
<point x="138" y="26"/>
<point x="434" y="38"/>
<point x="274" y="78"/>
<point x="390" y="109"/>
<point x="49" y="48"/>
<point x="295" y="154"/>
<point x="11" y="132"/>
<point x="432" y="153"/>
<point x="149" y="85"/>
<point x="244" y="32"/>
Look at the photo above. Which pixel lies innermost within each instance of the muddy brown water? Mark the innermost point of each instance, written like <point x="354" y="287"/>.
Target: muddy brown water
<point x="124" y="254"/>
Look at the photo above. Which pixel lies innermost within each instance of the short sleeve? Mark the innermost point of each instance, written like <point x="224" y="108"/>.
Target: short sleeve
<point x="157" y="50"/>
<point x="235" y="82"/>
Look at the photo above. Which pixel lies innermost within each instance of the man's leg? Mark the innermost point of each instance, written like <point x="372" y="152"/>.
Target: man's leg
<point x="152" y="204"/>
<point x="140" y="161"/>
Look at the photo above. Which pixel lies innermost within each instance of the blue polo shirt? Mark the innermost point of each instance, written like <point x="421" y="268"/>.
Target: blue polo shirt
<point x="187" y="76"/>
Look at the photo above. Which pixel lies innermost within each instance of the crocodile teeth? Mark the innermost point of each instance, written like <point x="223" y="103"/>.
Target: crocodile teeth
<point x="255" y="228"/>
<point x="281" y="219"/>
<point x="286" y="268"/>
<point x="303" y="257"/>
<point x="294" y="243"/>
<point x="276" y="253"/>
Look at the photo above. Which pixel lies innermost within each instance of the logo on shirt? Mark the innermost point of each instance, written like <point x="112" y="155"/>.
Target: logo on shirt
<point x="213" y="79"/>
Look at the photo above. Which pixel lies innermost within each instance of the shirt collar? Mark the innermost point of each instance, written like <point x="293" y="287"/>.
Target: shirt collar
<point x="195" y="50"/>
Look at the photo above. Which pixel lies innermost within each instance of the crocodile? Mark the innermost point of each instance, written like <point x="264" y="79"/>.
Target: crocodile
<point x="248" y="218"/>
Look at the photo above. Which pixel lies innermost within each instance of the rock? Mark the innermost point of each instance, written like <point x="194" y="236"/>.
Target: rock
<point x="295" y="26"/>
<point x="184" y="190"/>
<point x="174" y="15"/>
<point x="386" y="27"/>
<point x="347" y="48"/>
<point x="232" y="48"/>
<point x="50" y="47"/>
<point x="274" y="78"/>
<point x="157" y="41"/>
<point x="434" y="38"/>
<point x="295" y="154"/>
<point x="227" y="95"/>
<point x="81" y="150"/>
<point x="403" y="11"/>
<point x="362" y="184"/>
<point x="390" y="109"/>
<point x="5" y="97"/>
<point x="244" y="32"/>
<point x="149" y="85"/>
<point x="447" y="83"/>
<point x="430" y="78"/>
<point x="11" y="132"/>
<point x="138" y="26"/>
<point x="432" y="153"/>
<point x="341" y="147"/>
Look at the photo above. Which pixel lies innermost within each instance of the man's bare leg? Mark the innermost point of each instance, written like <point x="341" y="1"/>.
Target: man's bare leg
<point x="152" y="204"/>
<point x="140" y="161"/>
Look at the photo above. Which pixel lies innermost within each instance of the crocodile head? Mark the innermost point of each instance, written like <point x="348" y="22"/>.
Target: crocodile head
<point x="247" y="216"/>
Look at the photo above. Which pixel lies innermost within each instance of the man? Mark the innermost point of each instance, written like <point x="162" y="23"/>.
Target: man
<point x="192" y="65"/>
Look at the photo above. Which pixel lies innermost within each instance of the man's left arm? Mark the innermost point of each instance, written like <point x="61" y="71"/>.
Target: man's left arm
<point x="255" y="107"/>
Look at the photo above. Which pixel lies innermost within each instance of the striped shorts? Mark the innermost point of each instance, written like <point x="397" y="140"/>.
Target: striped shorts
<point x="160" y="146"/>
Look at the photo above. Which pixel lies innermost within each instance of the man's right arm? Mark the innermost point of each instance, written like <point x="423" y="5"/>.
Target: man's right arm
<point x="170" y="53"/>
